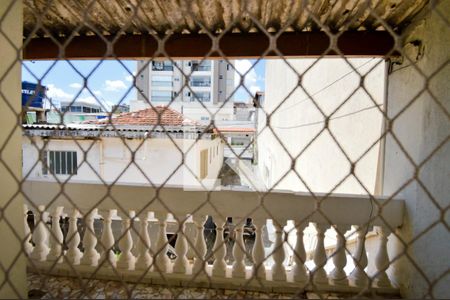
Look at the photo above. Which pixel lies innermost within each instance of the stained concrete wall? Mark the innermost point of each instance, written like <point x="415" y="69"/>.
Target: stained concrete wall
<point x="420" y="129"/>
<point x="11" y="202"/>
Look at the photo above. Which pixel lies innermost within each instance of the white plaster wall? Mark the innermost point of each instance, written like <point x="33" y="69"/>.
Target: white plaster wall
<point x="421" y="128"/>
<point x="194" y="110"/>
<point x="215" y="160"/>
<point x="156" y="161"/>
<point x="213" y="111"/>
<point x="89" y="166"/>
<point x="295" y="120"/>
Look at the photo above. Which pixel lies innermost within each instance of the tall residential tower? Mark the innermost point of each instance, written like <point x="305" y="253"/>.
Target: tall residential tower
<point x="201" y="90"/>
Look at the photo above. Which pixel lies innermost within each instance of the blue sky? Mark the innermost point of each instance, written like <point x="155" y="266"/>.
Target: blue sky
<point x="111" y="81"/>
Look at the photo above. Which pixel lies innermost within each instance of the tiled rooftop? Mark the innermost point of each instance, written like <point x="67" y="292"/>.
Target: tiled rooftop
<point x="158" y="115"/>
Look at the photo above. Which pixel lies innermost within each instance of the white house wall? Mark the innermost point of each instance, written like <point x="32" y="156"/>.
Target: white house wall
<point x="156" y="161"/>
<point x="296" y="120"/>
<point x="215" y="161"/>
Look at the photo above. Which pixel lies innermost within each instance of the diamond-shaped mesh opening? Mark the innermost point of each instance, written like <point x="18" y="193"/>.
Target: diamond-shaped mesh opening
<point x="224" y="149"/>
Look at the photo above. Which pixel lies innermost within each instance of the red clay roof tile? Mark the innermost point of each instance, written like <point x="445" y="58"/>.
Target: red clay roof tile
<point x="159" y="115"/>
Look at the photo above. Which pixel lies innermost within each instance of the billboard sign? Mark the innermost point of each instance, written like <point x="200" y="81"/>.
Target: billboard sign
<point x="33" y="95"/>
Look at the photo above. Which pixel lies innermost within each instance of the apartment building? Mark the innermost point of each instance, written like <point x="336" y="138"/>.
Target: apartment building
<point x="201" y="90"/>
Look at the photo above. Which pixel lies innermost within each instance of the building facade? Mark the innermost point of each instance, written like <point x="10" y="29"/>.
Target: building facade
<point x="300" y="143"/>
<point x="134" y="151"/>
<point x="201" y="90"/>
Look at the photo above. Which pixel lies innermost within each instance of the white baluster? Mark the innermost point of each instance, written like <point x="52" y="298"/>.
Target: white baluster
<point x="219" y="265"/>
<point x="56" y="238"/>
<point x="162" y="262"/>
<point x="278" y="269"/>
<point x="181" y="262"/>
<point x="259" y="270"/>
<point x="382" y="258"/>
<point x="73" y="239"/>
<point x="238" y="269"/>
<point x="299" y="270"/>
<point x="27" y="246"/>
<point x="358" y="276"/>
<point x="190" y="237"/>
<point x="338" y="275"/>
<point x="144" y="259"/>
<point x="107" y="240"/>
<point x="200" y="246"/>
<point x="40" y="235"/>
<point x="320" y="256"/>
<point x="90" y="255"/>
<point x="126" y="260"/>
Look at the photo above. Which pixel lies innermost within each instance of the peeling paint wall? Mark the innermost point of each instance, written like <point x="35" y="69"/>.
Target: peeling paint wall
<point x="421" y="128"/>
<point x="131" y="17"/>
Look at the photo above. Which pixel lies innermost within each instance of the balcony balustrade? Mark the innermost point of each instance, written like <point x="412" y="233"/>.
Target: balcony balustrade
<point x="143" y="252"/>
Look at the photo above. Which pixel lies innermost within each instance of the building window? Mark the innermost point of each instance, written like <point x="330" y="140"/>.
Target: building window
<point x="201" y="81"/>
<point x="162" y="66"/>
<point x="162" y="81"/>
<point x="201" y="66"/>
<point x="220" y="76"/>
<point x="60" y="162"/>
<point x="75" y="108"/>
<point x="204" y="118"/>
<point x="202" y="96"/>
<point x="161" y="96"/>
<point x="228" y="67"/>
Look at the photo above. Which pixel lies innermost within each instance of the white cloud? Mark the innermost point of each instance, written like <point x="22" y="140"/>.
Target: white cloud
<point x="250" y="78"/>
<point x="129" y="77"/>
<point x="88" y="100"/>
<point x="96" y="101"/>
<point x="114" y="85"/>
<point x="76" y="85"/>
<point x="58" y="94"/>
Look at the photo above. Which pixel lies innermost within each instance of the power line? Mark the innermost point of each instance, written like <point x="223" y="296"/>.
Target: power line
<point x="327" y="86"/>
<point x="319" y="122"/>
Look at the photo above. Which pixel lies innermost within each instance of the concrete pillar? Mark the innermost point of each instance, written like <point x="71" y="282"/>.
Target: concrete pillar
<point x="11" y="202"/>
<point x="422" y="130"/>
